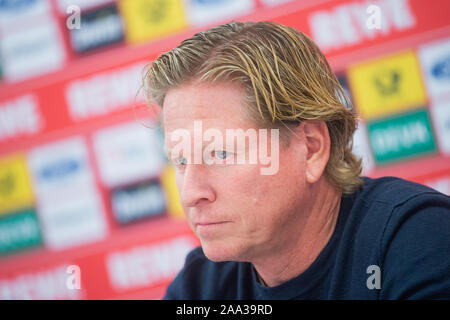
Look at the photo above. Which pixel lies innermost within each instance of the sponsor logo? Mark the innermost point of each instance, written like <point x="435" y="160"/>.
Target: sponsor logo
<point x="98" y="28"/>
<point x="104" y="93"/>
<point x="352" y="23"/>
<point x="387" y="86"/>
<point x="73" y="222"/>
<point x="32" y="52"/>
<point x="168" y="182"/>
<point x="435" y="62"/>
<point x="387" y="82"/>
<point x="62" y="168"/>
<point x="128" y="153"/>
<point x="138" y="202"/>
<point x="16" y="5"/>
<point x="61" y="173"/>
<point x="149" y="19"/>
<point x="441" y="70"/>
<point x="148" y="265"/>
<point x="401" y="137"/>
<point x="49" y="284"/>
<point x="62" y="164"/>
<point x="7" y="183"/>
<point x="20" y="116"/>
<point x="19" y="231"/>
<point x="13" y="10"/>
<point x="15" y="187"/>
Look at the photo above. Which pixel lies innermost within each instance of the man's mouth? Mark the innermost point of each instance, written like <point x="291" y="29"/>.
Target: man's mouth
<point x="210" y="229"/>
<point x="205" y="224"/>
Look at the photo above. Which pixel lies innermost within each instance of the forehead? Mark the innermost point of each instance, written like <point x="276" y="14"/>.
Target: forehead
<point x="221" y="105"/>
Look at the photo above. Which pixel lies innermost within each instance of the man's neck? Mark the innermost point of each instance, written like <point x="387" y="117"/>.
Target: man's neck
<point x="309" y="236"/>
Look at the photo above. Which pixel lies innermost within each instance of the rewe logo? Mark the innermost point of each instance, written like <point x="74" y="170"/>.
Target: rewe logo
<point x="20" y="116"/>
<point x="104" y="92"/>
<point x="354" y="22"/>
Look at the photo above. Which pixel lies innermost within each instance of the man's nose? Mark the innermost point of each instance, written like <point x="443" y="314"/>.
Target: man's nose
<point x="196" y="187"/>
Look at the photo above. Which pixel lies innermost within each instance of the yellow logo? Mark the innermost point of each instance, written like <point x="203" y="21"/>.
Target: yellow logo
<point x="15" y="187"/>
<point x="169" y="184"/>
<point x="149" y="19"/>
<point x="387" y="86"/>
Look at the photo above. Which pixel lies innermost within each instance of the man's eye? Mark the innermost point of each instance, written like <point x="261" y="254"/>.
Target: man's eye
<point x="180" y="161"/>
<point x="221" y="154"/>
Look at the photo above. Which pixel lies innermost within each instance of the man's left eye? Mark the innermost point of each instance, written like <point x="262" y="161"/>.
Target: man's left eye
<point x="221" y="154"/>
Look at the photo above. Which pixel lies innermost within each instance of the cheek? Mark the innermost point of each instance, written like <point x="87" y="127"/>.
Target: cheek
<point x="179" y="183"/>
<point x="178" y="180"/>
<point x="268" y="198"/>
<point x="239" y="194"/>
<point x="244" y="185"/>
<point x="251" y="196"/>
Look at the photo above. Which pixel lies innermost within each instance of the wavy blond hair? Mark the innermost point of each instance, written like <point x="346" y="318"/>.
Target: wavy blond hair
<point x="286" y="78"/>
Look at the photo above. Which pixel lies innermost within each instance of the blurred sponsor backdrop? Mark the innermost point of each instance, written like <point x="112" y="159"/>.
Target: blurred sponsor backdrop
<point x="83" y="179"/>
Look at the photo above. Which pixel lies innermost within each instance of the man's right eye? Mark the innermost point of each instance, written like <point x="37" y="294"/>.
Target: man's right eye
<point x="180" y="161"/>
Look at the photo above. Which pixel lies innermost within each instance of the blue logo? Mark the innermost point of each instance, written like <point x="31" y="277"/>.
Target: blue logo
<point x="60" y="169"/>
<point x="441" y="70"/>
<point x="15" y="5"/>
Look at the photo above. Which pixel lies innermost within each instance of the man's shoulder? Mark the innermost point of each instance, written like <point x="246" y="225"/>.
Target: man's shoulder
<point x="415" y="240"/>
<point x="383" y="205"/>
<point x="394" y="191"/>
<point x="403" y="228"/>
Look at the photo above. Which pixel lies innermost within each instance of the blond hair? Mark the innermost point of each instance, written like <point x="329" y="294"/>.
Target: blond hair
<point x="286" y="78"/>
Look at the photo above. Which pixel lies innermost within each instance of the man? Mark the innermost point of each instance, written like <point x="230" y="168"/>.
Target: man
<point x="312" y="228"/>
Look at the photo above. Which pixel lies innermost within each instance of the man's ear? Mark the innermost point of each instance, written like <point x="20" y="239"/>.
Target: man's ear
<point x="317" y="143"/>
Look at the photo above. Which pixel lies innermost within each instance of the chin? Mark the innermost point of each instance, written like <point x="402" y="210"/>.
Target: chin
<point x="220" y="251"/>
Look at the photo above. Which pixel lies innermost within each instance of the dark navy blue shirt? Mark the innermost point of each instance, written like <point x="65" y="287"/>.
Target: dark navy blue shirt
<point x="399" y="226"/>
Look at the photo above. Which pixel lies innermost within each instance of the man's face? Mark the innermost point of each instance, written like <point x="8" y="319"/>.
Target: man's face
<point x="236" y="212"/>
